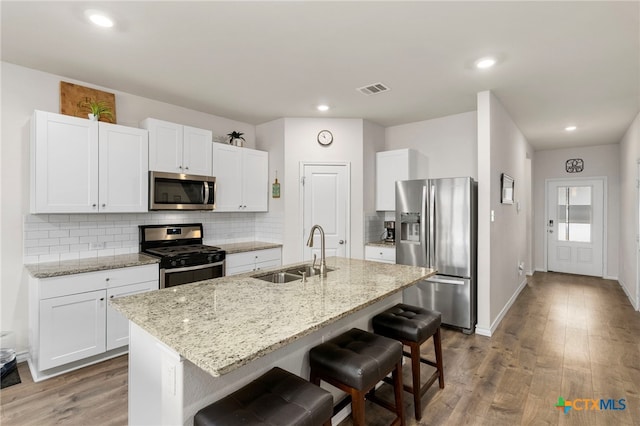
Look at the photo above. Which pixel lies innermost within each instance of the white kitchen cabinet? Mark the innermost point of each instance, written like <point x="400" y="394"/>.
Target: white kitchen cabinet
<point x="175" y="148"/>
<point x="71" y="324"/>
<point x="123" y="169"/>
<point x="118" y="325"/>
<point x="380" y="254"/>
<point x="83" y="166"/>
<point x="256" y="260"/>
<point x="71" y="328"/>
<point x="392" y="166"/>
<point x="242" y="178"/>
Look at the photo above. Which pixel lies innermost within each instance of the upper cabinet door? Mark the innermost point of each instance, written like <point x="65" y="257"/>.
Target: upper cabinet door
<point x="227" y="169"/>
<point x="255" y="186"/>
<point x="165" y="145"/>
<point x="64" y="164"/>
<point x="196" y="152"/>
<point x="124" y="169"/>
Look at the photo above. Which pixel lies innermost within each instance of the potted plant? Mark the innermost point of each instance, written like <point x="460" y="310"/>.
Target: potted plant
<point x="235" y="138"/>
<point x="96" y="109"/>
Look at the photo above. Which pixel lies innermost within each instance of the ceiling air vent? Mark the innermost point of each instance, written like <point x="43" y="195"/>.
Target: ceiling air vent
<point x="373" y="89"/>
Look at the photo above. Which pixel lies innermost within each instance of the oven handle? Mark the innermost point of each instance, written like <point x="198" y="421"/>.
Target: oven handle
<point x="193" y="268"/>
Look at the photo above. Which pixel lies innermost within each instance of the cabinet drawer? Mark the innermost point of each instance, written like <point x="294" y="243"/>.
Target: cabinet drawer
<point x="380" y="254"/>
<point x="99" y="280"/>
<point x="267" y="255"/>
<point x="237" y="260"/>
<point x="268" y="264"/>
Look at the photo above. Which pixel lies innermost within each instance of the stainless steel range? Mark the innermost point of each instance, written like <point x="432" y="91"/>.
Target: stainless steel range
<point x="183" y="257"/>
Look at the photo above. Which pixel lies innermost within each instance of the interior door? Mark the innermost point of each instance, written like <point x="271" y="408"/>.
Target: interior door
<point x="325" y="203"/>
<point x="575" y="226"/>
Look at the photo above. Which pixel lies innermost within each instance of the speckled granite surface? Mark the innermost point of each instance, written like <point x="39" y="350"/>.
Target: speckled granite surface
<point x="381" y="244"/>
<point x="68" y="267"/>
<point x="222" y="324"/>
<point x="244" y="247"/>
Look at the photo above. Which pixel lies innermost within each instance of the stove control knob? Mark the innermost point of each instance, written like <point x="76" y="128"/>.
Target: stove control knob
<point x="210" y="258"/>
<point x="183" y="262"/>
<point x="173" y="263"/>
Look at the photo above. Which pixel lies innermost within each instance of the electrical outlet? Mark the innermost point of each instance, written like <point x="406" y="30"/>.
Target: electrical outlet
<point x="96" y="245"/>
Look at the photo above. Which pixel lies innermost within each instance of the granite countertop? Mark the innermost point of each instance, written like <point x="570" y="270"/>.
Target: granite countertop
<point x="382" y="243"/>
<point x="232" y="248"/>
<point x="69" y="267"/>
<point x="225" y="323"/>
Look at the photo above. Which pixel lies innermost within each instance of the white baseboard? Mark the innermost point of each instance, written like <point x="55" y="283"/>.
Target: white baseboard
<point x="22" y="356"/>
<point x="540" y="270"/>
<point x="483" y="331"/>
<point x="633" y="302"/>
<point x="610" y="278"/>
<point x="530" y="273"/>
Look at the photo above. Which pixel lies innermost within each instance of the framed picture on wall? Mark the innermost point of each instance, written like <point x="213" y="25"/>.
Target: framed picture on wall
<point x="507" y="184"/>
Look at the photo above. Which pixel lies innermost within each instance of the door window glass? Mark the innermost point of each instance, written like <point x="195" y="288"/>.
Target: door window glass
<point x="574" y="213"/>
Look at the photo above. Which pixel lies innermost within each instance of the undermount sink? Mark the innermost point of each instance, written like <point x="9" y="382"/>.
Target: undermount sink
<point x="307" y="269"/>
<point x="290" y="274"/>
<point x="277" y="277"/>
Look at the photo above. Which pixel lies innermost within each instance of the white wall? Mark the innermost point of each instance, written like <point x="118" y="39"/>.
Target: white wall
<point x="628" y="273"/>
<point x="502" y="244"/>
<point x="603" y="160"/>
<point x="24" y="90"/>
<point x="301" y="145"/>
<point x="449" y="143"/>
<point x="270" y="137"/>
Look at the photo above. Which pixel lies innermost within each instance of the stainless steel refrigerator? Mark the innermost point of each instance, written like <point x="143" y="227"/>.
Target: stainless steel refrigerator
<point x="436" y="227"/>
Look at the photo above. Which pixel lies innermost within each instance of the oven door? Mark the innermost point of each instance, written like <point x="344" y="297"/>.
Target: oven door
<point x="190" y="274"/>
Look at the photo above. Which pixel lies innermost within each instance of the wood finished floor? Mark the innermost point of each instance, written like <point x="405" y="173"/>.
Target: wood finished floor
<point x="566" y="335"/>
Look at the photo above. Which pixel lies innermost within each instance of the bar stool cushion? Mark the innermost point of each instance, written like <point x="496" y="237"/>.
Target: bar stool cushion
<point x="406" y="322"/>
<point x="357" y="358"/>
<point x="276" y="398"/>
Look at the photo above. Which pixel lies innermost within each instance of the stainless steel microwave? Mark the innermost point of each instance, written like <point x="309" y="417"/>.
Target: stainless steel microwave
<point x="177" y="191"/>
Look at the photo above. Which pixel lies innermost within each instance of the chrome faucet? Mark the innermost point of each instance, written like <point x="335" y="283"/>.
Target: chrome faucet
<point x="323" y="263"/>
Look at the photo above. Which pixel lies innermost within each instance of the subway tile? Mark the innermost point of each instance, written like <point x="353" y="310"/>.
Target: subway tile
<point x="59" y="249"/>
<point x="105" y="252"/>
<point x="48" y="242"/>
<point x="31" y="251"/>
<point x="88" y="239"/>
<point x="37" y="235"/>
<point x="56" y="218"/>
<point x="69" y="256"/>
<point x="70" y="240"/>
<point x="59" y="233"/>
<point x="78" y="247"/>
<point x="88" y="254"/>
<point x="78" y="232"/>
<point x="49" y="258"/>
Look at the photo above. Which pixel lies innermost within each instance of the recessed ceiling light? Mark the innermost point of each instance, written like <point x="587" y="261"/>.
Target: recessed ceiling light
<point x="323" y="108"/>
<point x="570" y="128"/>
<point x="484" y="63"/>
<point x="99" y="18"/>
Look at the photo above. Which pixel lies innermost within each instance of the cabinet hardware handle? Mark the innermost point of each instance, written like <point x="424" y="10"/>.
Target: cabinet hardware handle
<point x="180" y="167"/>
<point x="102" y="298"/>
<point x="107" y="279"/>
<point x="341" y="242"/>
<point x="94" y="205"/>
<point x="111" y="297"/>
<point x="104" y="205"/>
<point x="187" y="168"/>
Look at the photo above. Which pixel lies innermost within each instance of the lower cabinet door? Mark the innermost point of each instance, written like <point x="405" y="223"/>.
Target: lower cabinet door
<point x="118" y="325"/>
<point x="71" y="328"/>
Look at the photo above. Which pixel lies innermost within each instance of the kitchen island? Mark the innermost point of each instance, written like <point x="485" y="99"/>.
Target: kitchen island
<point x="193" y="344"/>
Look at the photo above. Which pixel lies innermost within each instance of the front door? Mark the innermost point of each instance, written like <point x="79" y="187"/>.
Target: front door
<point x="326" y="203"/>
<point x="575" y="226"/>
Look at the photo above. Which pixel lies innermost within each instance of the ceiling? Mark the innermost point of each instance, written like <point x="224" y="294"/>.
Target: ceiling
<point x="560" y="63"/>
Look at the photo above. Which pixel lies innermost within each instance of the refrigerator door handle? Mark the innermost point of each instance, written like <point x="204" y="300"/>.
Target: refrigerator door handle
<point x="424" y="221"/>
<point x="432" y="227"/>
<point x="446" y="281"/>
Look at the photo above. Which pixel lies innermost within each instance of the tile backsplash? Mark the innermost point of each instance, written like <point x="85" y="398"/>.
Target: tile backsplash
<point x="50" y="238"/>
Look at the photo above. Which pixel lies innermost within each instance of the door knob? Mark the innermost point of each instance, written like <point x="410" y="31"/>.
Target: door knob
<point x="341" y="242"/>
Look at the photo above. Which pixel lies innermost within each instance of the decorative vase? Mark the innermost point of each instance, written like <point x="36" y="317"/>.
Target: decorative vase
<point x="93" y="117"/>
<point x="237" y="142"/>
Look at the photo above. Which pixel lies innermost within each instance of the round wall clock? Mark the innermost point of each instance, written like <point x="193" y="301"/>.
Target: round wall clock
<point x="325" y="137"/>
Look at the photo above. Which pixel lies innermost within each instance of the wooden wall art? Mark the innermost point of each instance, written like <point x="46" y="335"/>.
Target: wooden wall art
<point x="72" y="94"/>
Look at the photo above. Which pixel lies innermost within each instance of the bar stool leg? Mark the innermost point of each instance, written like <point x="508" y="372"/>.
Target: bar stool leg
<point x="415" y="375"/>
<point x="437" y="343"/>
<point x="397" y="390"/>
<point x="357" y="407"/>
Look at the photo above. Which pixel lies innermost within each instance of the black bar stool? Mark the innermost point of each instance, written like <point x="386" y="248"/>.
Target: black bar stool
<point x="412" y="326"/>
<point x="355" y="362"/>
<point x="276" y="398"/>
